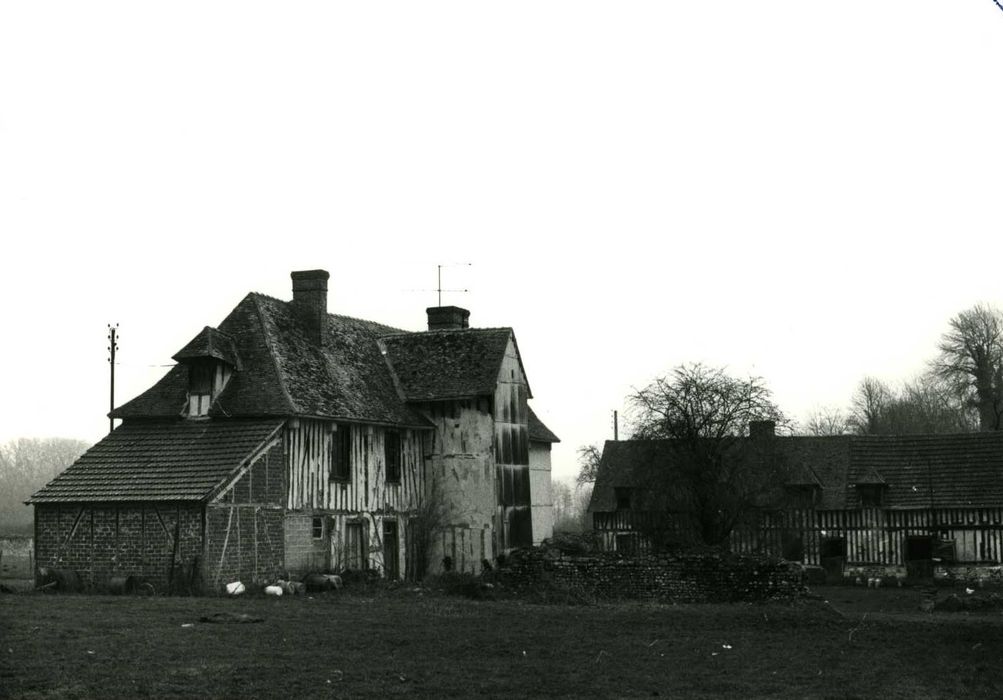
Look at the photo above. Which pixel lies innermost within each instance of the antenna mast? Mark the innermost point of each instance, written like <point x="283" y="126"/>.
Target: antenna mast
<point x="438" y="287"/>
<point x="112" y="347"/>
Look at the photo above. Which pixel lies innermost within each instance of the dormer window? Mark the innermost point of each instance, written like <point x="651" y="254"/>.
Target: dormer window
<point x="623" y="499"/>
<point x="211" y="359"/>
<point x="871" y="488"/>
<point x="200" y="381"/>
<point x="871" y="495"/>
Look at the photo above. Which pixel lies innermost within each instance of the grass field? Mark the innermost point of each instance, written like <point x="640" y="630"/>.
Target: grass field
<point x="868" y="643"/>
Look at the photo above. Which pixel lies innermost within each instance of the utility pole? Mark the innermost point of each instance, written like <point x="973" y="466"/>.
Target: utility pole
<point x="112" y="347"/>
<point x="616" y="427"/>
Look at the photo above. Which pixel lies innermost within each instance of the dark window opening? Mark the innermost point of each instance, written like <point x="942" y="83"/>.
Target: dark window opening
<point x="341" y="453"/>
<point x="392" y="454"/>
<point x="918" y="547"/>
<point x="831" y="547"/>
<point x="317" y="528"/>
<point x="792" y="544"/>
<point x="199" y="388"/>
<point x="626" y="544"/>
<point x="801" y="496"/>
<point x="622" y="498"/>
<point x="871" y="495"/>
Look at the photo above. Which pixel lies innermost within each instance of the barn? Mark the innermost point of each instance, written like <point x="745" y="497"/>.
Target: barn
<point x="864" y="506"/>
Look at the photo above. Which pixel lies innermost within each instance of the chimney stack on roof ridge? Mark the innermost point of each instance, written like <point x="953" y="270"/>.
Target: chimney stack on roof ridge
<point x="447" y="318"/>
<point x="310" y="301"/>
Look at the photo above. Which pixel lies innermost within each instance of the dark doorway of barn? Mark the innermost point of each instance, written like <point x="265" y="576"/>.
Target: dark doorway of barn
<point x="391" y="550"/>
<point x="832" y="557"/>
<point x="919" y="556"/>
<point x="792" y="545"/>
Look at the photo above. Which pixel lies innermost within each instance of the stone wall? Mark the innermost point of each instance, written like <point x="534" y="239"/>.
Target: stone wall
<point x="697" y="577"/>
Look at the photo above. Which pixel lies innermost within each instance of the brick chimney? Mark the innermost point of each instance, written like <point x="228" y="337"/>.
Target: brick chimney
<point x="762" y="429"/>
<point x="447" y="318"/>
<point x="310" y="301"/>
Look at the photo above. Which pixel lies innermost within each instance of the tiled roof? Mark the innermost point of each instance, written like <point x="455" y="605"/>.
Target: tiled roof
<point x="960" y="470"/>
<point x="284" y="373"/>
<point x="448" y="363"/>
<point x="947" y="470"/>
<point x="348" y="378"/>
<point x="178" y="460"/>
<point x="538" y="432"/>
<point x="364" y="371"/>
<point x="210" y="343"/>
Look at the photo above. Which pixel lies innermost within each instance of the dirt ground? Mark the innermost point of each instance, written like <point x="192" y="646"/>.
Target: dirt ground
<point x="861" y="643"/>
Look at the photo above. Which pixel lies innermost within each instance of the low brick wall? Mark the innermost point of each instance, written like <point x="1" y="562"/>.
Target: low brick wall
<point x="698" y="577"/>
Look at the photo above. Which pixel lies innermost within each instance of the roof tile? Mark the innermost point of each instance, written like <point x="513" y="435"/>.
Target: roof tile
<point x="177" y="460"/>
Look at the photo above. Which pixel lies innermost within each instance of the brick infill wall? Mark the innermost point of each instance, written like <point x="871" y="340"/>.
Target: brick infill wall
<point x="701" y="577"/>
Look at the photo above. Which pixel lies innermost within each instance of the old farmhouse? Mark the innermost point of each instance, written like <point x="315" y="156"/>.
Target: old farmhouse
<point x="856" y="505"/>
<point x="290" y="440"/>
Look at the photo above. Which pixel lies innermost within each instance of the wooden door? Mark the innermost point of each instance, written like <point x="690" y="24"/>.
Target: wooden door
<point x="391" y="550"/>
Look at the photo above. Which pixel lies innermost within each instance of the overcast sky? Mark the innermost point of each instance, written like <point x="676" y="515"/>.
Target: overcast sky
<point x="803" y="191"/>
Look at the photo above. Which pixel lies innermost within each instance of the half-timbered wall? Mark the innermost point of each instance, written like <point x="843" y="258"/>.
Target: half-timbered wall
<point x="352" y="507"/>
<point x="514" y="520"/>
<point x="244" y="524"/>
<point x="878" y="536"/>
<point x="463" y="473"/>
<point x="872" y="536"/>
<point x="309" y="451"/>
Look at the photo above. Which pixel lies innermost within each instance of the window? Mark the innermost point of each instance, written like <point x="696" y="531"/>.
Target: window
<point x="870" y="495"/>
<point x="622" y="498"/>
<point x="341" y="453"/>
<point x="199" y="388"/>
<point x="627" y="544"/>
<point x="317" y="528"/>
<point x="392" y="454"/>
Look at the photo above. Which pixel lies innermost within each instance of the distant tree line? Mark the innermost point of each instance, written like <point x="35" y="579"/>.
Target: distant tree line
<point x="960" y="391"/>
<point x="26" y="465"/>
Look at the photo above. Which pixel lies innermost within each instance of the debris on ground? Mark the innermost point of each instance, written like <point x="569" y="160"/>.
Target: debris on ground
<point x="224" y="618"/>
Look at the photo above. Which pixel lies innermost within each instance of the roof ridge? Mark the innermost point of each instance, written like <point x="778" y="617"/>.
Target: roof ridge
<point x="445" y="331"/>
<point x="396" y="330"/>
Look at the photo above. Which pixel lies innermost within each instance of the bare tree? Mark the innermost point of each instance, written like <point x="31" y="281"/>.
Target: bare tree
<point x="924" y="405"/>
<point x="827" y="420"/>
<point x="971" y="359"/>
<point x="712" y="478"/>
<point x="869" y="406"/>
<point x="567" y="507"/>
<point x="589" y="457"/>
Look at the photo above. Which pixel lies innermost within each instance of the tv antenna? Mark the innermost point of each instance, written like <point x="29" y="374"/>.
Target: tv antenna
<point x="438" y="287"/>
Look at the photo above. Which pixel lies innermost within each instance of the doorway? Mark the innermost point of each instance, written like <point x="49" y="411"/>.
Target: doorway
<point x="391" y="550"/>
